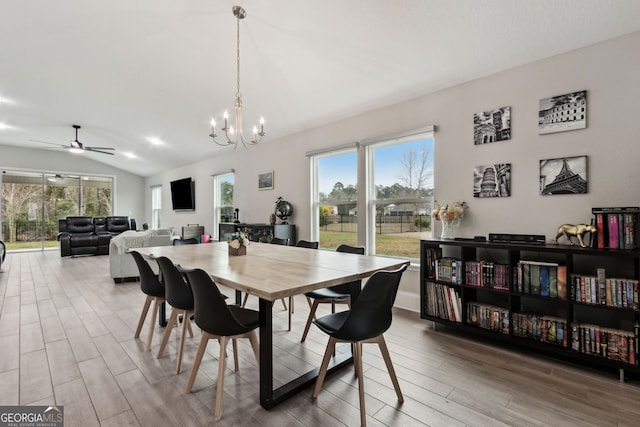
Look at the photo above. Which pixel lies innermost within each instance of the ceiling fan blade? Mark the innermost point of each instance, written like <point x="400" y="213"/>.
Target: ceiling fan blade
<point x="99" y="148"/>
<point x="95" y="150"/>
<point x="50" y="143"/>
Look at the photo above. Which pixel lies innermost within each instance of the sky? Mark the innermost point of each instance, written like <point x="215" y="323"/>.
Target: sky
<point x="388" y="166"/>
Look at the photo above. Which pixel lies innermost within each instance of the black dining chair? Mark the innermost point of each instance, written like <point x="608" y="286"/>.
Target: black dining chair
<point x="307" y="244"/>
<point x="190" y="241"/>
<point x="220" y="321"/>
<point x="150" y="286"/>
<point x="279" y="241"/>
<point x="3" y="252"/>
<point x="301" y="244"/>
<point x="179" y="296"/>
<point x="339" y="294"/>
<point x="366" y="322"/>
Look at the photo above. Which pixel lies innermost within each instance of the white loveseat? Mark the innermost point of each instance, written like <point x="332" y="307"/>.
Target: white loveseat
<point x="122" y="265"/>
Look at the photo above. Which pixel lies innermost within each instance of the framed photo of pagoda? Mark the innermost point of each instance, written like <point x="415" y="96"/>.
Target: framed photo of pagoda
<point x="566" y="175"/>
<point x="492" y="180"/>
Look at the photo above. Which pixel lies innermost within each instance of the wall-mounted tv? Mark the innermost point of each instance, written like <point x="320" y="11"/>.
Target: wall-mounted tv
<point x="183" y="195"/>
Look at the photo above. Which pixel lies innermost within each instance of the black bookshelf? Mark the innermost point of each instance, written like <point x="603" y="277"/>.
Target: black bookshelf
<point x="478" y="288"/>
<point x="260" y="232"/>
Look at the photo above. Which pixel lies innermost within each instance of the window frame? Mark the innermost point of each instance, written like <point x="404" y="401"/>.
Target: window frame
<point x="217" y="200"/>
<point x="156" y="206"/>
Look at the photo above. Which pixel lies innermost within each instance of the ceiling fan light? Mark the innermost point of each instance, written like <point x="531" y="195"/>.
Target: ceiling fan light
<point x="76" y="150"/>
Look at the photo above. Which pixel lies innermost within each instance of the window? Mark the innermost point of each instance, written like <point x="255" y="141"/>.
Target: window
<point x="395" y="199"/>
<point x="156" y="206"/>
<point x="32" y="202"/>
<point x="223" y="199"/>
<point x="335" y="207"/>
<point x="400" y="195"/>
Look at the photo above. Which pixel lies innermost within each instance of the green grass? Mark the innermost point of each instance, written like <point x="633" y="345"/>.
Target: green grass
<point x="406" y="245"/>
<point x="30" y="245"/>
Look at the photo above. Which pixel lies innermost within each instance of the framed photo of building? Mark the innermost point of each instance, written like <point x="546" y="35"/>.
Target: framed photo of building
<point x="265" y="181"/>
<point x="491" y="126"/>
<point x="563" y="113"/>
<point x="492" y="180"/>
<point x="567" y="175"/>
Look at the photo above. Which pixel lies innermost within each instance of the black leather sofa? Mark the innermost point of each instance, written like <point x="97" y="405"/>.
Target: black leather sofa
<point x="85" y="235"/>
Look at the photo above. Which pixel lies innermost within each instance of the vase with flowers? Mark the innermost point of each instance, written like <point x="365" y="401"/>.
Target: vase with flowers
<point x="238" y="243"/>
<point x="450" y="215"/>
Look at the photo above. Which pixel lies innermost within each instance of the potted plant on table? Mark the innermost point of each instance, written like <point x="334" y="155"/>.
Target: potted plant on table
<point x="238" y="243"/>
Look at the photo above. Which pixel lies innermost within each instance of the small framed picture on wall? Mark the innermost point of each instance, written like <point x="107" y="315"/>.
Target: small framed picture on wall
<point x="492" y="180"/>
<point x="565" y="175"/>
<point x="562" y="113"/>
<point x="491" y="126"/>
<point x="265" y="181"/>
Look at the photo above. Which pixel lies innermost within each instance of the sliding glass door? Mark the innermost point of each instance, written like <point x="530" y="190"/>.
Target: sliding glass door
<point x="32" y="203"/>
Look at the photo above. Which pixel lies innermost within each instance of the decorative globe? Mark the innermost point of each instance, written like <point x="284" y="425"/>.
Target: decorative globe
<point x="283" y="209"/>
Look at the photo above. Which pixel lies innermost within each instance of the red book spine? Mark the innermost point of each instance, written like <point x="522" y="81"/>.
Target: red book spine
<point x="600" y="229"/>
<point x="613" y="230"/>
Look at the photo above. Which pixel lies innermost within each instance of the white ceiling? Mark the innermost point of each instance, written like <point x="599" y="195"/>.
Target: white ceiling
<point x="128" y="70"/>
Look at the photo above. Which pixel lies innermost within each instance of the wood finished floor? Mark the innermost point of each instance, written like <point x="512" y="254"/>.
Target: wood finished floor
<point x="66" y="337"/>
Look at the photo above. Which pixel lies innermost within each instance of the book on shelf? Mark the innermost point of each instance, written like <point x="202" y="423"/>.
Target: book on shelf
<point x="553" y="281"/>
<point x="602" y="290"/>
<point x="629" y="233"/>
<point x="561" y="271"/>
<point x="600" y="231"/>
<point x="612" y="220"/>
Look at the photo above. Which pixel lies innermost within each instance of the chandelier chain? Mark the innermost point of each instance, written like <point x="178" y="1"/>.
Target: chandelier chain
<point x="238" y="57"/>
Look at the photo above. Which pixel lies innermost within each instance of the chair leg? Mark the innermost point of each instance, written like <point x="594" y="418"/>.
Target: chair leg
<point x="173" y="318"/>
<point x="331" y="346"/>
<point x="387" y="360"/>
<point x="204" y="340"/>
<point x="253" y="339"/>
<point x="244" y="301"/>
<point x="234" y="344"/>
<point x="284" y="304"/>
<point x="357" y="360"/>
<point x="154" y="316"/>
<point x="183" y="333"/>
<point x="188" y="320"/>
<point x="312" y="313"/>
<point x="291" y="299"/>
<point x="143" y="315"/>
<point x="221" y="362"/>
<point x="290" y="312"/>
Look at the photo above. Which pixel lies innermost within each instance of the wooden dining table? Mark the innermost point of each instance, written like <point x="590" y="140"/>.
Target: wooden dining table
<point x="272" y="272"/>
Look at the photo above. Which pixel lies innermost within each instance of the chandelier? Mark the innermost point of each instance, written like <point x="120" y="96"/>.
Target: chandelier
<point x="235" y="135"/>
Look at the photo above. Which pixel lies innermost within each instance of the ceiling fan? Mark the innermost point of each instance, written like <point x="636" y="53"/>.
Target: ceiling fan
<point x="78" y="147"/>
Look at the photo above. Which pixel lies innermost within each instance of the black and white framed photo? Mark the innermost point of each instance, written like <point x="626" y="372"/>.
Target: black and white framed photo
<point x="566" y="175"/>
<point x="563" y="113"/>
<point x="491" y="126"/>
<point x="265" y="181"/>
<point x="492" y="180"/>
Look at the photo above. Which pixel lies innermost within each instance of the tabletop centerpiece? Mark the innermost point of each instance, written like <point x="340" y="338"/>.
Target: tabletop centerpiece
<point x="237" y="243"/>
<point x="450" y="215"/>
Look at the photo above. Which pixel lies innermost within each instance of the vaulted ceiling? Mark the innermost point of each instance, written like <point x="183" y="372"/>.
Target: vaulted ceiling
<point x="128" y="71"/>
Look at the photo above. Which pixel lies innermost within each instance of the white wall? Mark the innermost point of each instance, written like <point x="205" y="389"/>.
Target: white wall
<point x="608" y="71"/>
<point x="128" y="187"/>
